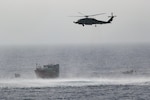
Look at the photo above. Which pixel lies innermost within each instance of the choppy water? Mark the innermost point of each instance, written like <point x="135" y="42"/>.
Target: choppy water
<point x="86" y="73"/>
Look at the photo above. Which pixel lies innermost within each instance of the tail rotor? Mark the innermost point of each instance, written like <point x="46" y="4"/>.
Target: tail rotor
<point x="111" y="18"/>
<point x="112" y="15"/>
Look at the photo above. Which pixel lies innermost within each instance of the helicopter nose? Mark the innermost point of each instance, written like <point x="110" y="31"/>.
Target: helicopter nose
<point x="75" y="22"/>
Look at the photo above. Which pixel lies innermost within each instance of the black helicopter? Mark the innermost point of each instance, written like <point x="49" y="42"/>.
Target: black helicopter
<point x="91" y="21"/>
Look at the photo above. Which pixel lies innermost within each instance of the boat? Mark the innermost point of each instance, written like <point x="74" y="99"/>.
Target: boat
<point x="47" y="71"/>
<point x="129" y="72"/>
<point x="17" y="75"/>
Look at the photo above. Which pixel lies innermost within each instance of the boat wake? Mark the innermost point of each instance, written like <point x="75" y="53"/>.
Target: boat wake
<point x="21" y="83"/>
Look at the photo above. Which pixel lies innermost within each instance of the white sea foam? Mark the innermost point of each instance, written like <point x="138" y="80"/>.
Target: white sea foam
<point x="21" y="83"/>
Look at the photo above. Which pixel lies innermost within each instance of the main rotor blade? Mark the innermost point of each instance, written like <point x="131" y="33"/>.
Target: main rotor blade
<point x="81" y="13"/>
<point x="97" y="14"/>
<point x="76" y="16"/>
<point x="87" y="15"/>
<point x="90" y="15"/>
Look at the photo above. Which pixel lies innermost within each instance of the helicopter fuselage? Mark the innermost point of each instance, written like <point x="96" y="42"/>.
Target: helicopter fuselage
<point x="91" y="21"/>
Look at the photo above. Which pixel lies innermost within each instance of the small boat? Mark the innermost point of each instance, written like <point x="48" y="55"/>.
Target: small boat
<point x="47" y="71"/>
<point x="129" y="72"/>
<point x="17" y="75"/>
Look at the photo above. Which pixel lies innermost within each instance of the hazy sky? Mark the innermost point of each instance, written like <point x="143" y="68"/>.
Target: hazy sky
<point x="46" y="22"/>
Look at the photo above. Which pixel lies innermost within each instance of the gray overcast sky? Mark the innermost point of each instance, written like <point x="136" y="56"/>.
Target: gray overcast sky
<point x="46" y="22"/>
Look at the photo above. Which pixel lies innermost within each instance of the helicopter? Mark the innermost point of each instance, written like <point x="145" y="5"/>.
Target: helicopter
<point x="91" y="21"/>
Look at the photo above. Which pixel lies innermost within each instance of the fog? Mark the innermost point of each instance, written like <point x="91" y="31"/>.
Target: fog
<point x="46" y="22"/>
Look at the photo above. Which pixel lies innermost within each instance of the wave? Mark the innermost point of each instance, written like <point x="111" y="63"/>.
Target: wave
<point x="21" y="83"/>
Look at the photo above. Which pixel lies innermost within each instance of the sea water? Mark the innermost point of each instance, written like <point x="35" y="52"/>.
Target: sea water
<point x="86" y="72"/>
